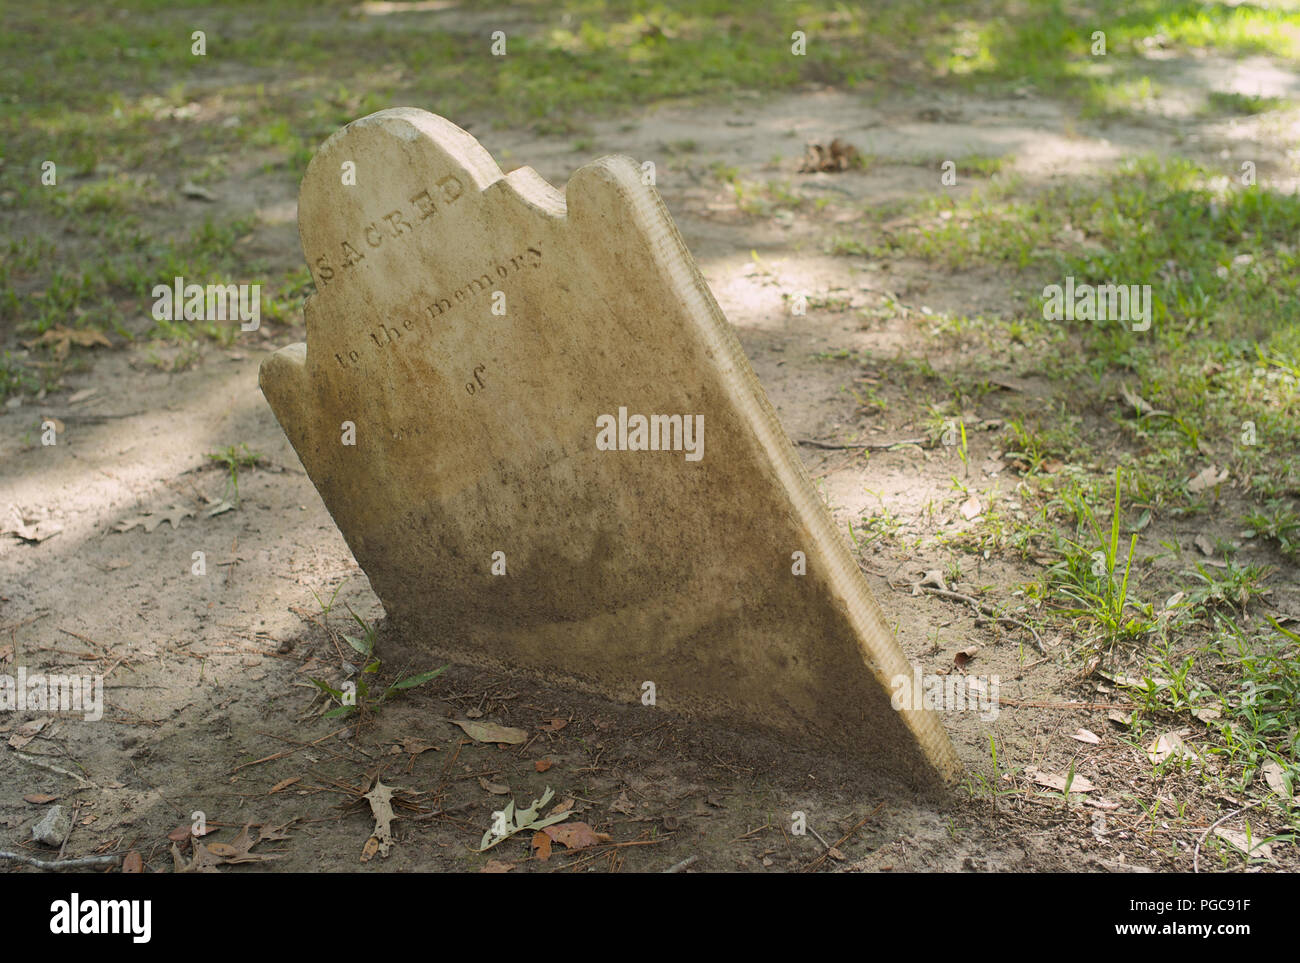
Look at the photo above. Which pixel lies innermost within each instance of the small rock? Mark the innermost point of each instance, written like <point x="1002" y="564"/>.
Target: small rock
<point x="52" y="828"/>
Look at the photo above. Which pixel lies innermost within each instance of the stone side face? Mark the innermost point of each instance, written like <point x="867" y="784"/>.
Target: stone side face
<point x="478" y="432"/>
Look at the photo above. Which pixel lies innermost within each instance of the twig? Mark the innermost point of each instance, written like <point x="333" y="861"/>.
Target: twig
<point x="678" y="867"/>
<point x="842" y="840"/>
<point x="1196" y="853"/>
<point x="987" y="610"/>
<point x="71" y="823"/>
<point x="19" y="625"/>
<point x="56" y="864"/>
<point x="51" y="767"/>
<point x="287" y="752"/>
<point x="865" y="445"/>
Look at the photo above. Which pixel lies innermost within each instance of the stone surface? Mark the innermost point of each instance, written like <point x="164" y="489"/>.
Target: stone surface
<point x="52" y="828"/>
<point x="479" y="432"/>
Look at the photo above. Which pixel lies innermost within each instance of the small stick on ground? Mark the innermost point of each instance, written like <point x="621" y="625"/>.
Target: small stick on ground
<point x="986" y="610"/>
<point x="861" y="445"/>
<point x="842" y="840"/>
<point x="57" y="864"/>
<point x="52" y="768"/>
<point x="1196" y="853"/>
<point x="71" y="823"/>
<point x="678" y="867"/>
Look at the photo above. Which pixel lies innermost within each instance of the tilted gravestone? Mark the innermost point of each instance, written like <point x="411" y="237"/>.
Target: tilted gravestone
<point x="546" y="449"/>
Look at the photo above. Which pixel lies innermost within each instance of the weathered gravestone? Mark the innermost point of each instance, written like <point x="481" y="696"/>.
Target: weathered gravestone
<point x="546" y="449"/>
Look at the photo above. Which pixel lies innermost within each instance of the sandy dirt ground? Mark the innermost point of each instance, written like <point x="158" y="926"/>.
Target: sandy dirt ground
<point x="209" y="708"/>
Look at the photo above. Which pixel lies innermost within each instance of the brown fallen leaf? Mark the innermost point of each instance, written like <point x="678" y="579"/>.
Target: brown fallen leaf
<point x="283" y="784"/>
<point x="1171" y="744"/>
<point x="542" y="846"/>
<point x="208" y="857"/>
<point x="152" y="520"/>
<point x="1207" y="478"/>
<point x="369" y="849"/>
<point x="1244" y="842"/>
<point x="27" y="732"/>
<point x="414" y="747"/>
<point x="185" y="830"/>
<point x="562" y="807"/>
<point x="834" y="158"/>
<point x="28" y="527"/>
<point x="495" y="788"/>
<point x="555" y="725"/>
<point x="39" y="798"/>
<point x="491" y="732"/>
<point x="275" y="832"/>
<point x="381" y="807"/>
<point x="541" y="765"/>
<point x="133" y="862"/>
<point x="61" y="339"/>
<point x="1275" y="778"/>
<point x="965" y="655"/>
<point x="576" y="835"/>
<point x="497" y="866"/>
<point x="1086" y="735"/>
<point x="1052" y="781"/>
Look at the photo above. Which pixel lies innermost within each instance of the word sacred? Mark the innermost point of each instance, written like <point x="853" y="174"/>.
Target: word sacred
<point x="394" y="224"/>
<point x="653" y="433"/>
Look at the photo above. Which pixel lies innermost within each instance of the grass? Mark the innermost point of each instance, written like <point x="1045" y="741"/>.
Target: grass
<point x="356" y="697"/>
<point x="233" y="458"/>
<point x="126" y="111"/>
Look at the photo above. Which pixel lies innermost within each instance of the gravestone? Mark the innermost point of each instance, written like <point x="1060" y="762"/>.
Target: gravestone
<point x="548" y="452"/>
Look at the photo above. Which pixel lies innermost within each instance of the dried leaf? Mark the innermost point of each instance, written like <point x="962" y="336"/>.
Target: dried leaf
<point x="495" y="788"/>
<point x="1140" y="405"/>
<point x="1084" y="735"/>
<point x="497" y="866"/>
<point x="576" y="835"/>
<point x="133" y="862"/>
<point x="555" y="725"/>
<point x="62" y="338"/>
<point x="274" y="832"/>
<point x="1052" y="781"/>
<point x="381" y="807"/>
<point x="39" y="798"/>
<point x="491" y="732"/>
<point x="1171" y="745"/>
<point x="1251" y="845"/>
<point x="513" y="822"/>
<point x="283" y="784"/>
<point x="542" y="846"/>
<point x="931" y="579"/>
<point x="971" y="508"/>
<point x="1275" y="777"/>
<point x="27" y="732"/>
<point x="415" y="747"/>
<point x="541" y="765"/>
<point x="152" y="520"/>
<point x="1207" y="478"/>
